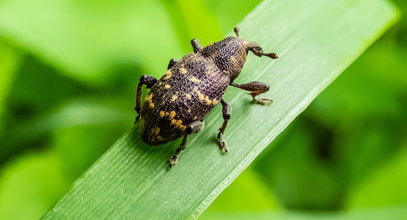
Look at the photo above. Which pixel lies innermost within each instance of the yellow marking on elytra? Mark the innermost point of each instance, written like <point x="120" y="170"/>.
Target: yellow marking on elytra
<point x="203" y="97"/>
<point x="172" y="114"/>
<point x="188" y="96"/>
<point x="233" y="60"/>
<point x="182" y="70"/>
<point x="215" y="101"/>
<point x="167" y="86"/>
<point x="167" y="113"/>
<point x="178" y="123"/>
<point x="200" y="95"/>
<point x="159" y="138"/>
<point x="157" y="131"/>
<point x="207" y="100"/>
<point x="149" y="97"/>
<point x="152" y="105"/>
<point x="162" y="114"/>
<point x="194" y="79"/>
<point x="168" y="74"/>
<point x="173" y="98"/>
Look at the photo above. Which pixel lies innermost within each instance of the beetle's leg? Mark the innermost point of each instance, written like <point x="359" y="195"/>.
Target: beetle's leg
<point x="255" y="88"/>
<point x="171" y="63"/>
<point x="174" y="158"/>
<point x="196" y="45"/>
<point x="236" y="30"/>
<point x="226" y="110"/>
<point x="194" y="127"/>
<point x="258" y="51"/>
<point x="147" y="80"/>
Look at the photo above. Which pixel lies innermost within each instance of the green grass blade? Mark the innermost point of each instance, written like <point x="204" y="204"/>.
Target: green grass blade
<point x="316" y="41"/>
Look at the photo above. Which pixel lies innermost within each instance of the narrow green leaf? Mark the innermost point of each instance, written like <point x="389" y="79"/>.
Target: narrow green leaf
<point x="316" y="40"/>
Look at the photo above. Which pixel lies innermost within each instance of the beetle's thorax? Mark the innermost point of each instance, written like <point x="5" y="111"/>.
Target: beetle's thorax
<point x="229" y="55"/>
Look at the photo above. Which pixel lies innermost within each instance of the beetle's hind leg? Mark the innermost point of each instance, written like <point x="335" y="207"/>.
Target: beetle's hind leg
<point x="194" y="127"/>
<point x="144" y="80"/>
<point x="174" y="158"/>
<point x="256" y="88"/>
<point x="226" y="110"/>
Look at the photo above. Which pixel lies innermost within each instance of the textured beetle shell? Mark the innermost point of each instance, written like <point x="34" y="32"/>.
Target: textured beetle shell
<point x="189" y="90"/>
<point x="229" y="55"/>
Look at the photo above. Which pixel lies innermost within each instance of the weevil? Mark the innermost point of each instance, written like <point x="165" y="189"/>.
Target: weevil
<point x="178" y="102"/>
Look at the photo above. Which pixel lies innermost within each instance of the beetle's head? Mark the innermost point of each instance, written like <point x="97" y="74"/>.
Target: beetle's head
<point x="230" y="54"/>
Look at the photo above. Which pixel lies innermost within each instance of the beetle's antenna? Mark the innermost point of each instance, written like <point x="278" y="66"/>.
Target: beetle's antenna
<point x="236" y="30"/>
<point x="259" y="52"/>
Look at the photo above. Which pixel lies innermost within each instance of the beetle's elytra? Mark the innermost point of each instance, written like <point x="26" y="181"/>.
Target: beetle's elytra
<point x="178" y="102"/>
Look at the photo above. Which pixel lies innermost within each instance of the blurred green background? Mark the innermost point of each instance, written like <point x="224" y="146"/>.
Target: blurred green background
<point x="68" y="74"/>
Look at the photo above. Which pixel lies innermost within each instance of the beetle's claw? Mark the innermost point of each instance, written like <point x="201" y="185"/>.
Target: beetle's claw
<point x="262" y="101"/>
<point x="223" y="146"/>
<point x="173" y="161"/>
<point x="225" y="149"/>
<point x="271" y="55"/>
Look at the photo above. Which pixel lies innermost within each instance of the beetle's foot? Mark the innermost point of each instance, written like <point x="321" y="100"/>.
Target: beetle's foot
<point x="223" y="146"/>
<point x="262" y="101"/>
<point x="173" y="160"/>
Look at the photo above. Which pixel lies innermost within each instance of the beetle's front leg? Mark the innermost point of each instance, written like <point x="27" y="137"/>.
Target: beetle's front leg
<point x="196" y="45"/>
<point x="147" y="80"/>
<point x="255" y="88"/>
<point x="194" y="127"/>
<point x="226" y="110"/>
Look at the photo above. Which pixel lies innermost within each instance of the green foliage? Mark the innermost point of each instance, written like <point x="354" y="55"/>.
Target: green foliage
<point x="130" y="180"/>
<point x="87" y="41"/>
<point x="8" y="62"/>
<point x="385" y="187"/>
<point x="62" y="100"/>
<point x="350" y="132"/>
<point x="68" y="72"/>
<point x="247" y="193"/>
<point x="393" y="213"/>
<point x="23" y="185"/>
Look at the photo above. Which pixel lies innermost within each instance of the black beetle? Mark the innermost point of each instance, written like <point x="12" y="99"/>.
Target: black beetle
<point x="178" y="102"/>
